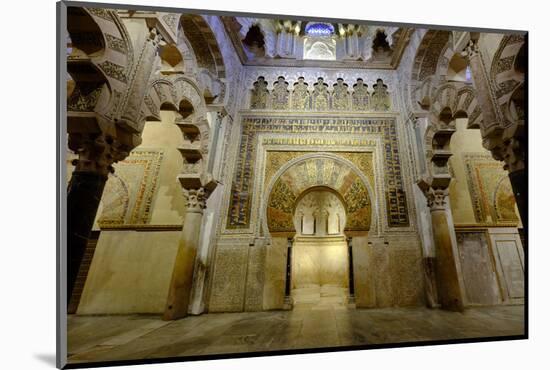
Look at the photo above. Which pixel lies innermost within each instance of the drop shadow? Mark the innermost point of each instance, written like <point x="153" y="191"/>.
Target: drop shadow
<point x="47" y="358"/>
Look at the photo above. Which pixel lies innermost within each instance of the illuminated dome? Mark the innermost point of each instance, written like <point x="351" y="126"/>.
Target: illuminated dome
<point x="319" y="29"/>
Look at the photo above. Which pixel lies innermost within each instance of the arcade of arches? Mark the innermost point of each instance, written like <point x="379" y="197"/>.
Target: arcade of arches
<point x="225" y="164"/>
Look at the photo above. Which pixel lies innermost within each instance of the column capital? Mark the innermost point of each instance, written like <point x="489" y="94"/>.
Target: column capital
<point x="195" y="199"/>
<point x="96" y="152"/>
<point x="437" y="198"/>
<point x="472" y="49"/>
<point x="511" y="152"/>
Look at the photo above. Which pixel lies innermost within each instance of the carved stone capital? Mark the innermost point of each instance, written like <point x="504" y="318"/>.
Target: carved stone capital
<point x="96" y="152"/>
<point x="195" y="199"/>
<point x="471" y="50"/>
<point x="512" y="153"/>
<point x="437" y="198"/>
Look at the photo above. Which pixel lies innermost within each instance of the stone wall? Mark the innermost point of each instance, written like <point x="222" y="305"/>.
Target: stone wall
<point x="139" y="218"/>
<point x="130" y="272"/>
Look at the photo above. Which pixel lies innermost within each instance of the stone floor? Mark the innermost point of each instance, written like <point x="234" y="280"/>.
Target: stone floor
<point x="111" y="338"/>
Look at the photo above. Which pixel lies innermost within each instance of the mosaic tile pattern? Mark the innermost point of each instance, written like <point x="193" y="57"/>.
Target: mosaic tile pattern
<point x="319" y="172"/>
<point x="490" y="189"/>
<point x="129" y="193"/>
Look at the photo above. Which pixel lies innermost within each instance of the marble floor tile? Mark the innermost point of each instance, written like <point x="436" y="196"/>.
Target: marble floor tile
<point x="111" y="338"/>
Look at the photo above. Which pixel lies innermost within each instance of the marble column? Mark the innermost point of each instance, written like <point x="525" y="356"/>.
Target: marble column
<point x="96" y="154"/>
<point x="518" y="179"/>
<point x="83" y="195"/>
<point x="513" y="155"/>
<point x="182" y="274"/>
<point x="419" y="126"/>
<point x="446" y="271"/>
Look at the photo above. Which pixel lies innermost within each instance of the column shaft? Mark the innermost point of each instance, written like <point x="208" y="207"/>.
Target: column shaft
<point x="83" y="196"/>
<point x="448" y="286"/>
<point x="179" y="294"/>
<point x="518" y="179"/>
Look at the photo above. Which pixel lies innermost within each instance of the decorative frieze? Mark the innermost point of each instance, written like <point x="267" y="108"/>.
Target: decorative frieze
<point x="321" y="97"/>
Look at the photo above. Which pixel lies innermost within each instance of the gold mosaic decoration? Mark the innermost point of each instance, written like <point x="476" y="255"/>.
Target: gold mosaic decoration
<point x="318" y="172"/>
<point x="244" y="177"/>
<point x="490" y="189"/>
<point x="130" y="191"/>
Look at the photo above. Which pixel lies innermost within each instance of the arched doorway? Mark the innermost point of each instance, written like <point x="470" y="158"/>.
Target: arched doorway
<point x="287" y="223"/>
<point x="320" y="262"/>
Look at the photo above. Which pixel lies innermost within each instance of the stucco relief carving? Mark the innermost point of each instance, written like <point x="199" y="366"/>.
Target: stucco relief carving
<point x="259" y="94"/>
<point x="321" y="97"/>
<point x="380" y="99"/>
<point x="300" y="95"/>
<point x="340" y="95"/>
<point x="280" y="95"/>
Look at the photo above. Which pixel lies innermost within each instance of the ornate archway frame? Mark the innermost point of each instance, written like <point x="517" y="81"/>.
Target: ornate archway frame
<point x="251" y="231"/>
<point x="374" y="226"/>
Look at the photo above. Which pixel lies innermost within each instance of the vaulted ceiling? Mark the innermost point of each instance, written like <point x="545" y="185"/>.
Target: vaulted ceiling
<point x="283" y="42"/>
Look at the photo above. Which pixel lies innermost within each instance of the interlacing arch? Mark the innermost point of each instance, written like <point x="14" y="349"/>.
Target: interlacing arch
<point x="177" y="91"/>
<point x="460" y="99"/>
<point x="204" y="44"/>
<point x="508" y="76"/>
<point x="100" y="60"/>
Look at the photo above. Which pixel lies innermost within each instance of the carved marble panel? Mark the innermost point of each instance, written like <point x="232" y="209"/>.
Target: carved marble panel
<point x="229" y="278"/>
<point x="509" y="261"/>
<point x="255" y="278"/>
<point x="478" y="269"/>
<point x="490" y="189"/>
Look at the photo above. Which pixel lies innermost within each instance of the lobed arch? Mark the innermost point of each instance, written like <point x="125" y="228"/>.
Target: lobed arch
<point x="100" y="60"/>
<point x="192" y="49"/>
<point x="507" y="75"/>
<point x="335" y="173"/>
<point x="179" y="92"/>
<point x="427" y="58"/>
<point x="204" y="44"/>
<point x="460" y="99"/>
